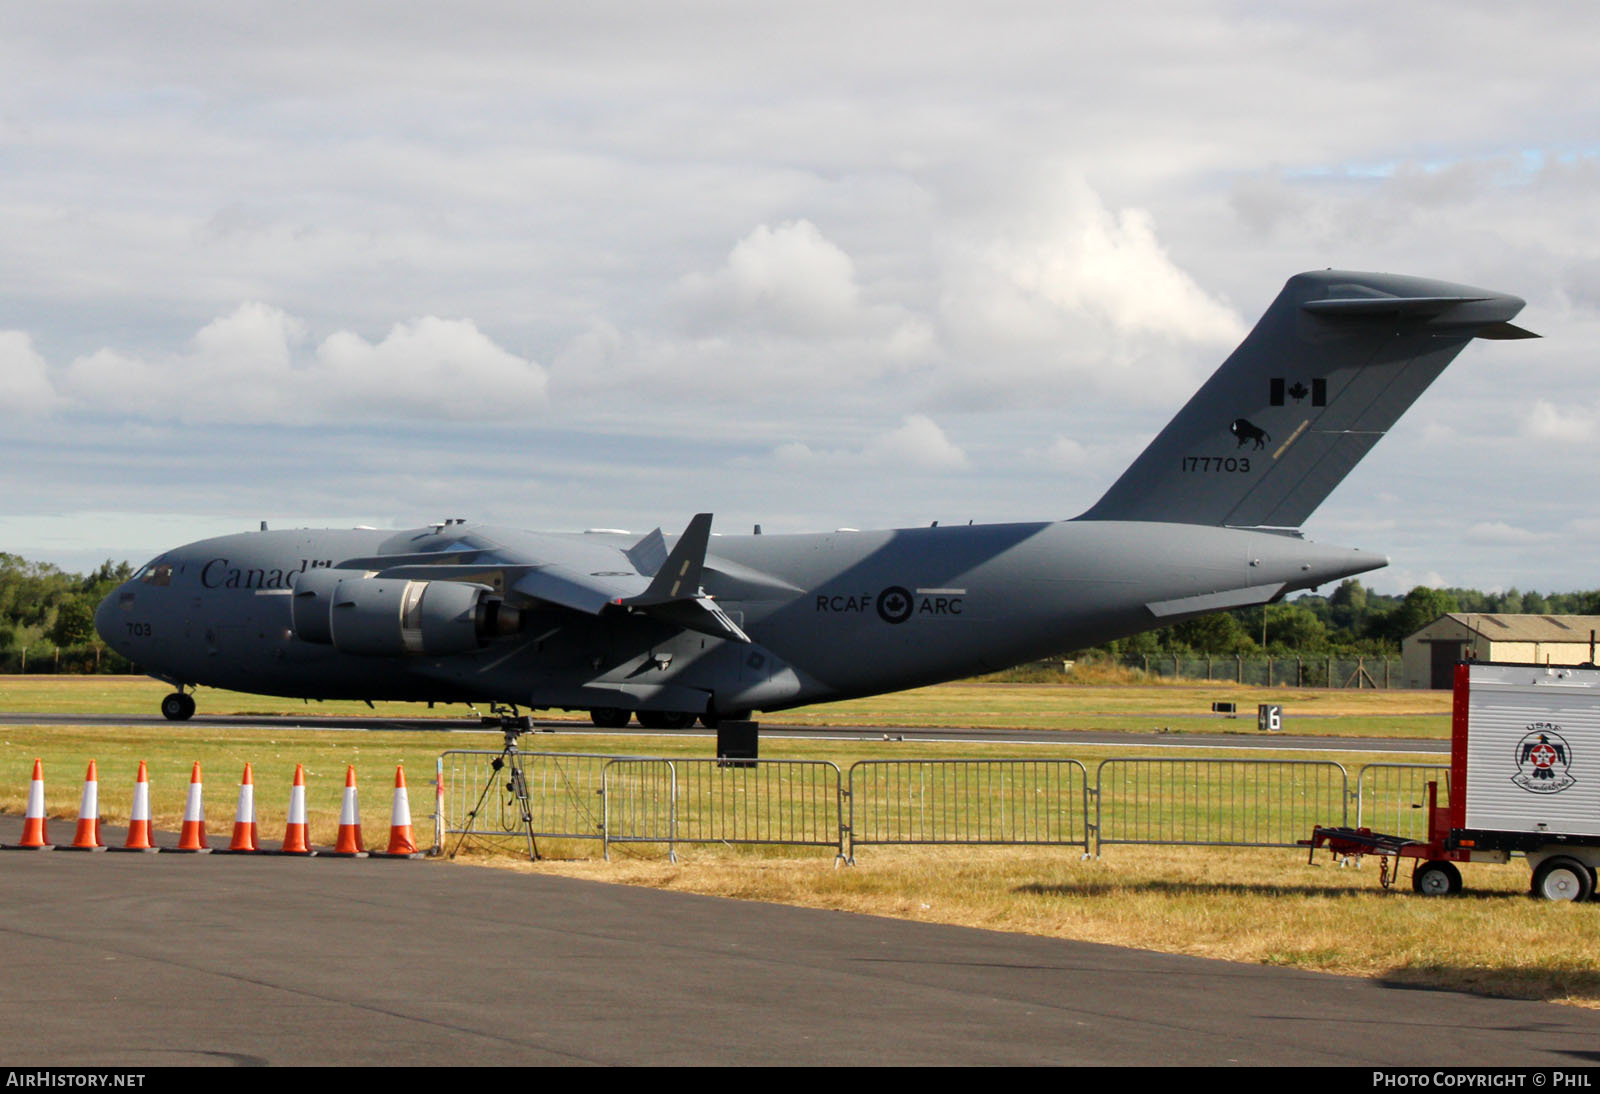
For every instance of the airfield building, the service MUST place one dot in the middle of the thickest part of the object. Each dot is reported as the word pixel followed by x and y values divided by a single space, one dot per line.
pixel 1428 657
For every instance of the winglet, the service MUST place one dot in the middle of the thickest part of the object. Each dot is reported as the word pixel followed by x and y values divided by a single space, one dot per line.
pixel 679 576
pixel 649 554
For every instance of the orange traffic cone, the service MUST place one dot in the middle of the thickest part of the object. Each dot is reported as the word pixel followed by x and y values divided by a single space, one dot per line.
pixel 192 840
pixel 401 843
pixel 139 819
pixel 295 840
pixel 244 818
pixel 87 836
pixel 34 836
pixel 350 844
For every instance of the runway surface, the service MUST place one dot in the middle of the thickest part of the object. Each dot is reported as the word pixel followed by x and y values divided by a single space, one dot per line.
pixel 146 960
pixel 1272 742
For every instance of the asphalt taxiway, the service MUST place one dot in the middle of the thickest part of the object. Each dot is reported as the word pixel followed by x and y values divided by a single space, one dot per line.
pixel 146 960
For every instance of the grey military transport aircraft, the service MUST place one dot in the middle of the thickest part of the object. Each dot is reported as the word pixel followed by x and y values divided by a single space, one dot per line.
pixel 670 629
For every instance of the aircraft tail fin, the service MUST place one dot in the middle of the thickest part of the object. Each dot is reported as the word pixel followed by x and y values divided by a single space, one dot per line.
pixel 1329 368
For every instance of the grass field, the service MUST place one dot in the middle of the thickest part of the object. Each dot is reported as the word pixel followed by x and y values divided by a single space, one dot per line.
pixel 1265 906
pixel 1176 708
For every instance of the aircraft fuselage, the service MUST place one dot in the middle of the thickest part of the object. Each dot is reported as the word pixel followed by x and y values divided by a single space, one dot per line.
pixel 830 615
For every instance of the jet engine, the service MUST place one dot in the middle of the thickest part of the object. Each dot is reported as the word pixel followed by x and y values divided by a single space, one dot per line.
pixel 388 617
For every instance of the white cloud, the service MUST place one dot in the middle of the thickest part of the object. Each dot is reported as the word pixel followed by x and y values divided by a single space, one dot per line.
pixel 1060 290
pixel 721 233
pixel 1065 452
pixel 250 367
pixel 238 368
pixel 1562 425
pixel 431 367
pixel 1499 533
pixel 918 444
pixel 788 280
pixel 25 386
pixel 1079 258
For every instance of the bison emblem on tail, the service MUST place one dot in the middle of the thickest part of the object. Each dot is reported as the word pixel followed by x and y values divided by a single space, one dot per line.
pixel 1242 429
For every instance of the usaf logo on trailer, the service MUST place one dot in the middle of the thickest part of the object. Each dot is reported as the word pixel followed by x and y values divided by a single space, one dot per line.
pixel 1544 760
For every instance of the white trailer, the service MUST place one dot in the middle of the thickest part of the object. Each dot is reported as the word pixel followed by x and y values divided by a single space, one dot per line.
pixel 1525 770
pixel 1524 778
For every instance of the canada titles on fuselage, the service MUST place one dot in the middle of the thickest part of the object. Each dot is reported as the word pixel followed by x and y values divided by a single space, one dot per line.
pixel 218 574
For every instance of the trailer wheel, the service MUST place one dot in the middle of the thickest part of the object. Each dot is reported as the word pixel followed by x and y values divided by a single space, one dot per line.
pixel 1436 878
pixel 1562 878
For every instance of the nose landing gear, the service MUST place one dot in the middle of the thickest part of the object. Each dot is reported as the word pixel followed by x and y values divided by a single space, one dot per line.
pixel 178 707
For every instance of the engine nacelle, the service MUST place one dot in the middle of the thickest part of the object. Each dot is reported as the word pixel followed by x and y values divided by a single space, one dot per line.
pixel 389 617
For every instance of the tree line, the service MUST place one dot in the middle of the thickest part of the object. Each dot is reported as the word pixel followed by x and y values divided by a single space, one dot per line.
pixel 1352 621
pixel 47 616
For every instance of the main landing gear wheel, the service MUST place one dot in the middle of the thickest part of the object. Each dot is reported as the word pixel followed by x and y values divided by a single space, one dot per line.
pixel 177 707
pixel 1563 878
pixel 1436 878
pixel 610 717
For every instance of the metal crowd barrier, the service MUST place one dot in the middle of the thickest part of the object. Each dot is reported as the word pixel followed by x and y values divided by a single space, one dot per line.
pixel 1393 798
pixel 1045 802
pixel 563 792
pixel 790 802
pixel 1232 803
pixel 1038 802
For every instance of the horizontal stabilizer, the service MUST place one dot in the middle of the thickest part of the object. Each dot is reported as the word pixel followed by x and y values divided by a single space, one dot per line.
pixel 1216 602
pixel 702 615
pixel 1367 306
pixel 1326 372
pixel 1505 331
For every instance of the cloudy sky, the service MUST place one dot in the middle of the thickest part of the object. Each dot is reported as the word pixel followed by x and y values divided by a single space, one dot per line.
pixel 839 264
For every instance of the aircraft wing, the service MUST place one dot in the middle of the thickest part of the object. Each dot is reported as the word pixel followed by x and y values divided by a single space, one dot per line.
pixel 590 593
pixel 671 593
pixel 585 576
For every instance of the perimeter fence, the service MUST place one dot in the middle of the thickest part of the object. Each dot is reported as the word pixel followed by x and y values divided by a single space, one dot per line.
pixel 1020 802
pixel 1277 672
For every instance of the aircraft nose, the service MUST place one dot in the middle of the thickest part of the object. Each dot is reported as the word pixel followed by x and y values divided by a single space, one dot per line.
pixel 105 618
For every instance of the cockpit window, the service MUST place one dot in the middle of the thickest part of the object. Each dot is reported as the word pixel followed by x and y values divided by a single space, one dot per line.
pixel 155 573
